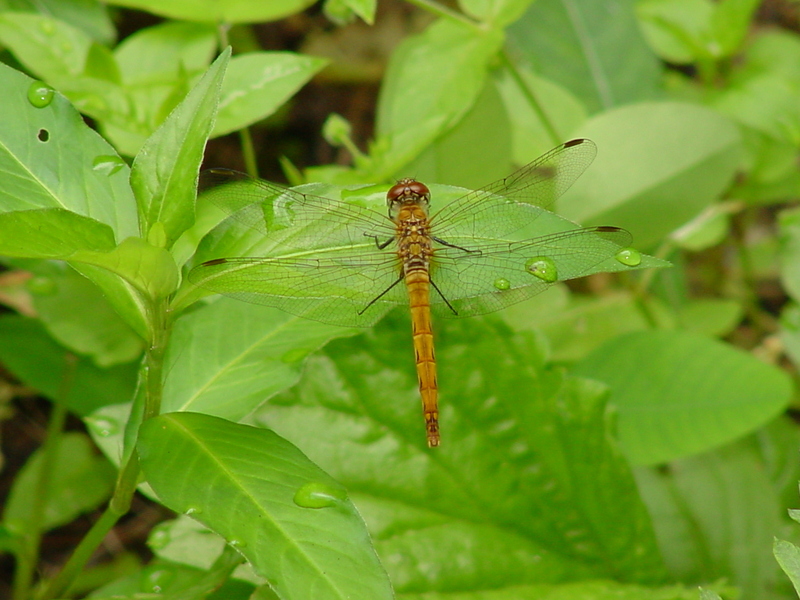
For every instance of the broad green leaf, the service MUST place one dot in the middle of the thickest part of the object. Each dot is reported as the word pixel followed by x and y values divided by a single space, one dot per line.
pixel 788 557
pixel 260 500
pixel 775 51
pixel 498 13
pixel 465 155
pixel 583 590
pixel 31 354
pixel 149 269
pixel 715 515
pixel 765 102
pixel 74 169
pixel 658 165
pixel 89 15
pixel 77 315
pixel 679 393
pixel 213 11
pixel 524 96
pixel 715 317
pixel 256 84
pixel 51 233
pixel 730 23
pixel 53 49
pixel 165 171
pixel 432 81
pixel 500 492
pixel 790 331
pixel 596 53
pixel 79 481
pixel 365 9
pixel 678 30
pixel 228 357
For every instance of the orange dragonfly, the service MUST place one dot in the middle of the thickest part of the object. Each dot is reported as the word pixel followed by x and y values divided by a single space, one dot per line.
pixel 344 263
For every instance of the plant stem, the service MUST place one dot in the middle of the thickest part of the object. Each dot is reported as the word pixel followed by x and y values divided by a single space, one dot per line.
pixel 531 97
pixel 28 558
pixel 248 152
pixel 129 475
pixel 444 12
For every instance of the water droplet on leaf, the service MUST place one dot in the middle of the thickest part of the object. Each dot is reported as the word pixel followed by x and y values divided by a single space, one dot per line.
pixel 502 284
pixel 40 94
pixel 192 510
pixel 235 543
pixel 629 257
pixel 107 163
pixel 159 579
pixel 542 267
pixel 315 494
pixel 159 539
pixel 102 426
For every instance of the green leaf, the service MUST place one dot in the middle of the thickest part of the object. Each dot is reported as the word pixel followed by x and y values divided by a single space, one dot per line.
pixel 788 557
pixel 582 590
pixel 678 393
pixel 678 30
pixel 212 349
pixel 67 171
pixel 685 156
pixel 149 269
pixel 91 16
pixel 526 101
pixel 715 317
pixel 256 84
pixel 730 23
pixel 432 81
pixel 213 11
pixel 595 53
pixel 79 481
pixel 77 315
pixel 164 173
pixel 256 502
pixel 716 515
pixel 501 490
pixel 789 220
pixel 51 233
pixel 498 13
pixel 31 354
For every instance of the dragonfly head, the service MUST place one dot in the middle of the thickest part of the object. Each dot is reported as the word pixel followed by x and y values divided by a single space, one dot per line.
pixel 407 192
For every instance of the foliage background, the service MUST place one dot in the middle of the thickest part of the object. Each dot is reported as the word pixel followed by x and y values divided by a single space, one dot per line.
pixel 621 437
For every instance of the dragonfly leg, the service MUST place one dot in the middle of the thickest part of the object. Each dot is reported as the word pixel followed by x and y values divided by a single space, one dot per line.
pixel 441 295
pixel 381 246
pixel 449 245
pixel 381 295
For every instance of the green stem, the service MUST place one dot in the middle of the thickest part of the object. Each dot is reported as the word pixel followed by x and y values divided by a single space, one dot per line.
pixel 29 556
pixel 129 475
pixel 444 12
pixel 248 152
pixel 533 102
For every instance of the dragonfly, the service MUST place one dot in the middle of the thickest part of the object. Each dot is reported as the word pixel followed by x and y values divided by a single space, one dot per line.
pixel 345 263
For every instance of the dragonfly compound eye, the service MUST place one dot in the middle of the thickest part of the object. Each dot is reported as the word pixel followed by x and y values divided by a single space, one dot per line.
pixel 407 187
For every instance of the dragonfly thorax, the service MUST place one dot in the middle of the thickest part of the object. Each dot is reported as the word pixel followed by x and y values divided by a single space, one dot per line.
pixel 407 192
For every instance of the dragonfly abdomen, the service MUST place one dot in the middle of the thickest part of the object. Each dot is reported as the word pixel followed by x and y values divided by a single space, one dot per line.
pixel 418 284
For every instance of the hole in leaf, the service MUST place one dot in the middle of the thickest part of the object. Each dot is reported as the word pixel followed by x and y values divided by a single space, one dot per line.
pixel 44 135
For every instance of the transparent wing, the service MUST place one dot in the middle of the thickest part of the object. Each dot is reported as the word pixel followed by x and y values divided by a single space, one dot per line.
pixel 491 212
pixel 496 275
pixel 314 221
pixel 321 260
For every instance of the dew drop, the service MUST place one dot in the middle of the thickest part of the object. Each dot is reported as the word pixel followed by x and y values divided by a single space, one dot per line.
pixel 40 94
pixel 502 283
pixel 542 267
pixel 192 510
pixel 159 579
pixel 107 163
pixel 315 494
pixel 236 543
pixel 159 539
pixel 102 426
pixel 629 257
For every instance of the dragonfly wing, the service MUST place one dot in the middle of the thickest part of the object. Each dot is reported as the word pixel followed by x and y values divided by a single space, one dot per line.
pixel 496 275
pixel 493 210
pixel 336 288
pixel 298 220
